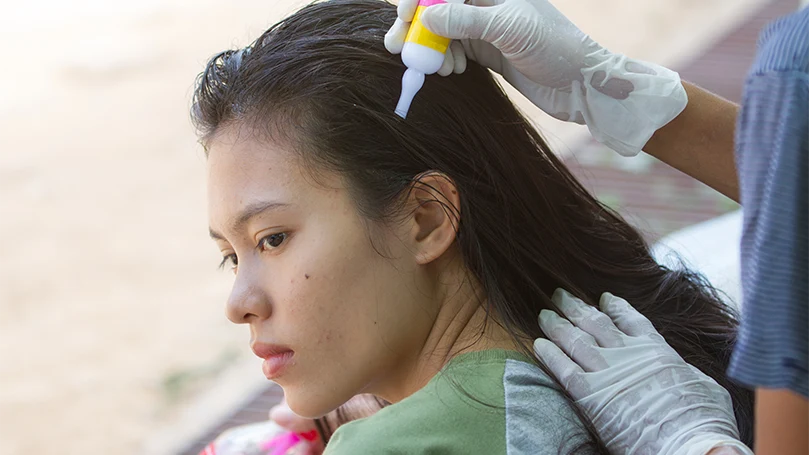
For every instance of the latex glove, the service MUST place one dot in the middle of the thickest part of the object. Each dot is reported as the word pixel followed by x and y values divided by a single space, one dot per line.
pixel 642 397
pixel 555 65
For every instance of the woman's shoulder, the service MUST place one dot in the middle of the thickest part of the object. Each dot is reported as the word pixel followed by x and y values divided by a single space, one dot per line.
pixel 482 403
pixel 540 419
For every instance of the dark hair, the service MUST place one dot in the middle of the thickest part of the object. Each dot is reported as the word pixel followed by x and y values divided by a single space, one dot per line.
pixel 323 79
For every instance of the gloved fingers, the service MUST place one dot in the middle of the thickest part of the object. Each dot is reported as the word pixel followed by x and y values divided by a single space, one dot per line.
pixel 458 57
pixel 559 329
pixel 625 317
pixel 565 370
pixel 550 100
pixel 395 37
pixel 726 442
pixel 448 65
pixel 588 319
pixel 406 10
pixel 455 57
pixel 717 392
pixel 459 21
pixel 577 344
pixel 485 54
pixel 708 440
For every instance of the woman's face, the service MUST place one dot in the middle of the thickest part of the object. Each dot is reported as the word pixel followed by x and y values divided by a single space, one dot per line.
pixel 333 315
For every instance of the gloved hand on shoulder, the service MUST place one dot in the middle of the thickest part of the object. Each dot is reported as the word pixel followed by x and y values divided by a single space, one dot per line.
pixel 642 397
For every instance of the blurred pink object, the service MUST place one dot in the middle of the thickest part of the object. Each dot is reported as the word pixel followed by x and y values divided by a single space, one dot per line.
pixel 263 438
pixel 281 443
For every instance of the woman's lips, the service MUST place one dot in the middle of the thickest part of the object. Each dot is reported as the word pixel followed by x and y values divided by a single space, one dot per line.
pixel 275 365
pixel 276 358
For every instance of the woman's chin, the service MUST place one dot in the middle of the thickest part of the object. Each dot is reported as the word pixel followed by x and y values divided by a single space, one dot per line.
pixel 305 405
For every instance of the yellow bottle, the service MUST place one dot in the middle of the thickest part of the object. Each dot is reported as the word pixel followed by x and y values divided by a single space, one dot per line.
pixel 423 53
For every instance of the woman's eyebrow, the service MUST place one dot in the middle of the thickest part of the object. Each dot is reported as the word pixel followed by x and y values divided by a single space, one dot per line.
pixel 248 213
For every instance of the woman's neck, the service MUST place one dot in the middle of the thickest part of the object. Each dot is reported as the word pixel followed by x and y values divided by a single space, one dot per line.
pixel 460 326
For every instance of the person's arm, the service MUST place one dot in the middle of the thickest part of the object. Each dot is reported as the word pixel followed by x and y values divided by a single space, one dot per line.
pixel 782 422
pixel 699 141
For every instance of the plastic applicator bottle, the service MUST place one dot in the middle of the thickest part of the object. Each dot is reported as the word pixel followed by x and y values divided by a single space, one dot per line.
pixel 422 54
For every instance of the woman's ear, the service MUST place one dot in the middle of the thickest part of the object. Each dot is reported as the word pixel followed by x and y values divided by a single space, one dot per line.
pixel 435 216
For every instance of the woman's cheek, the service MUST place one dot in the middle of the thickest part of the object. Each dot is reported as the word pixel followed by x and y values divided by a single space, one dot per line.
pixel 312 307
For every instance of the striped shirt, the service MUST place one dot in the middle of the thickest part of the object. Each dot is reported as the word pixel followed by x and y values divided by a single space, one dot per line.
pixel 772 157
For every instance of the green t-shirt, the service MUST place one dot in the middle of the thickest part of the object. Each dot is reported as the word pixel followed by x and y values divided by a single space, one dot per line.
pixel 487 402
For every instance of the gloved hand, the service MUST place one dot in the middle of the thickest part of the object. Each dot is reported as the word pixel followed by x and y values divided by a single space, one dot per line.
pixel 555 65
pixel 642 397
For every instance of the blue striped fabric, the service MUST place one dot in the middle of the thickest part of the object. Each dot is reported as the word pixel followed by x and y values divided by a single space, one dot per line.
pixel 772 156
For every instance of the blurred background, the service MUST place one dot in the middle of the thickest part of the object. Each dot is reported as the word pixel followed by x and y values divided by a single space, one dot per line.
pixel 113 338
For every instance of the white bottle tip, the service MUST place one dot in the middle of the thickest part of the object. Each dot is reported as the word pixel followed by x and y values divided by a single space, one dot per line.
pixel 411 84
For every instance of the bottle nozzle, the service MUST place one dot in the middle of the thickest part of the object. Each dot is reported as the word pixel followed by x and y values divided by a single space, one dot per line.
pixel 411 84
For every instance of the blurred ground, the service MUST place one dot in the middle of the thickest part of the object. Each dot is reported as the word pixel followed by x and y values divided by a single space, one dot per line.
pixel 111 310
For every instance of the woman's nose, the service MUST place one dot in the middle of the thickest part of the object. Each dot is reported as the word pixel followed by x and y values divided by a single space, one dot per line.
pixel 247 301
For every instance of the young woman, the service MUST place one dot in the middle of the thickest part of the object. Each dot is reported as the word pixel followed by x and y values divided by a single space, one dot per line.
pixel 409 259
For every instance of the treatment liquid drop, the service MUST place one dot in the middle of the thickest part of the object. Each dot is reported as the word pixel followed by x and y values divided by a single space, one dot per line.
pixel 423 53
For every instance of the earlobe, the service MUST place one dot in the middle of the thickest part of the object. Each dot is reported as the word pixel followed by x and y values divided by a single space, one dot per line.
pixel 435 217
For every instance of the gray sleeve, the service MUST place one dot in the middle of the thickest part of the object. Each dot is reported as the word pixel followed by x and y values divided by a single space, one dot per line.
pixel 539 419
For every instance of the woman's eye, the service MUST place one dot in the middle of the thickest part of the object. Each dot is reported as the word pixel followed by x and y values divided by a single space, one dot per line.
pixel 272 241
pixel 229 259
